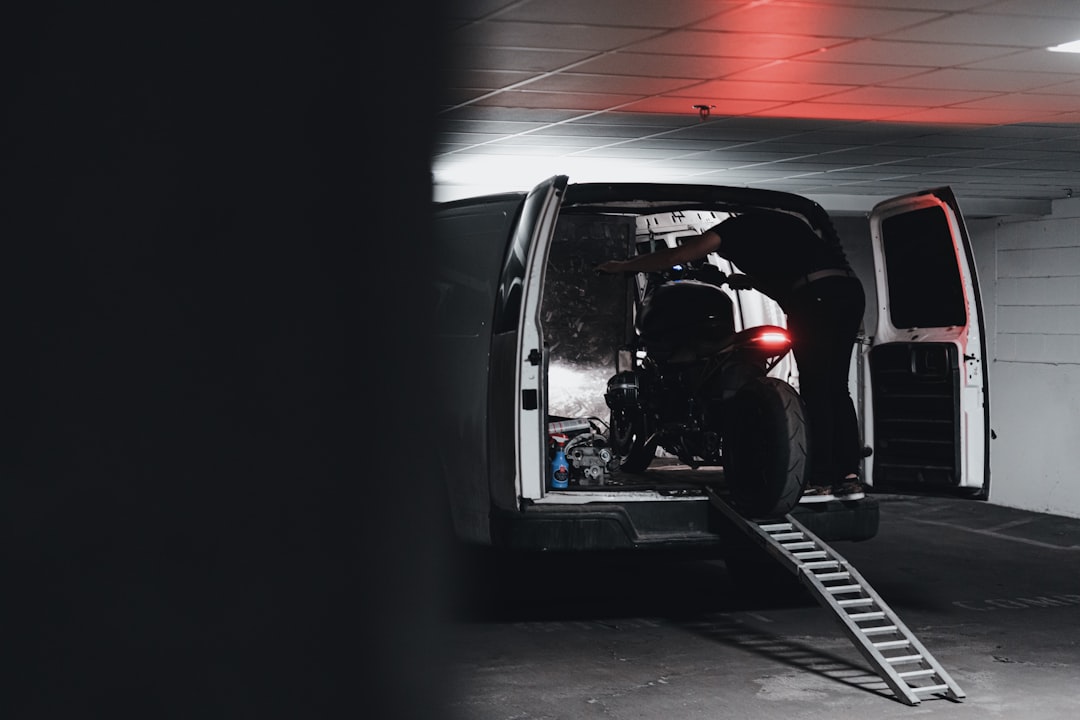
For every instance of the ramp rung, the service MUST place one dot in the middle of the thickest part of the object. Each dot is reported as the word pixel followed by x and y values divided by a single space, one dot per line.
pixel 812 555
pixel 856 602
pixel 901 659
pixel 929 688
pixel 916 674
pixel 833 576
pixel 788 536
pixel 775 527
pixel 821 564
pixel 837 589
pixel 889 644
pixel 881 630
pixel 798 545
pixel 859 617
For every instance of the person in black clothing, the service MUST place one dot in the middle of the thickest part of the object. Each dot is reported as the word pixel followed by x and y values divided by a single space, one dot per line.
pixel 810 278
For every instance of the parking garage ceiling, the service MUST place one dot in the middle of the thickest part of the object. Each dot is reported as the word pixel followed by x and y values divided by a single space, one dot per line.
pixel 845 101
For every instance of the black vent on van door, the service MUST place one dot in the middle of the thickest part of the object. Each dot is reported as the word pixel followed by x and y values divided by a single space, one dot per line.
pixel 916 393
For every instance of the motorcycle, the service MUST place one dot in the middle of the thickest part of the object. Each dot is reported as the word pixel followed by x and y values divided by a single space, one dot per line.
pixel 701 391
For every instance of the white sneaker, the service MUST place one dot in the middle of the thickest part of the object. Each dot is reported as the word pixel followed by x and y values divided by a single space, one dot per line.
pixel 817 494
pixel 849 490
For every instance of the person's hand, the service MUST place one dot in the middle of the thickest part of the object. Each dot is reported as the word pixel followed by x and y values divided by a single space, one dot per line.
pixel 610 266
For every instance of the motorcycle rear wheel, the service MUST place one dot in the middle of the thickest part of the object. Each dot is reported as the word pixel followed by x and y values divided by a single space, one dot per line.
pixel 628 439
pixel 765 448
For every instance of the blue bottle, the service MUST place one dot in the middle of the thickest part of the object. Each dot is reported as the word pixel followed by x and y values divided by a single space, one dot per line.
pixel 560 470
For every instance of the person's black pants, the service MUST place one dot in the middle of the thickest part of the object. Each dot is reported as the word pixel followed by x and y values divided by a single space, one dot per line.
pixel 824 319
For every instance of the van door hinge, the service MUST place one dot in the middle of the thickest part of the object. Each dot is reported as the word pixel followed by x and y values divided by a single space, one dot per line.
pixel 535 356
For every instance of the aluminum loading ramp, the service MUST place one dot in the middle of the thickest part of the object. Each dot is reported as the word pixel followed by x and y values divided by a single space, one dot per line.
pixel 887 644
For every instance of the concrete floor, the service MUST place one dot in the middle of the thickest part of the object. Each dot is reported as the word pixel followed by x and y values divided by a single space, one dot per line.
pixel 993 593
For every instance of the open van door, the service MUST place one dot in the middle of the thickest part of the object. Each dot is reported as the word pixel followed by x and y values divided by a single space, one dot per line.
pixel 486 370
pixel 927 415
pixel 517 421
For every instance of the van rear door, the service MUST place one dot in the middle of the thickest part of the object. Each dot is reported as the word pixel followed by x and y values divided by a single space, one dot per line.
pixel 926 416
pixel 488 352
pixel 470 245
pixel 517 422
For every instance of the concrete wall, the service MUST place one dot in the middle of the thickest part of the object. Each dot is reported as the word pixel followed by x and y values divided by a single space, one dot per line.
pixel 1029 273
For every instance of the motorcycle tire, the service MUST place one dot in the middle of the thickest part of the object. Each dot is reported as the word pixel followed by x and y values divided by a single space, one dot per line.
pixel 765 448
pixel 628 439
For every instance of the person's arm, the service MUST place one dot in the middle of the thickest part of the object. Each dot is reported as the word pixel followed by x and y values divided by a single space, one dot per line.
pixel 693 248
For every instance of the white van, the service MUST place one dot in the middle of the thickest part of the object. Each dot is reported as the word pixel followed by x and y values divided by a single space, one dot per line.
pixel 528 336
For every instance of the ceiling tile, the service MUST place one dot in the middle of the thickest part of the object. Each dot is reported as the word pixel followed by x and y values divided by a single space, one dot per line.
pixel 471 10
pixel 488 126
pixel 606 132
pixel 579 101
pixel 586 83
pixel 631 153
pixel 1068 88
pixel 515 59
pixel 724 44
pixel 737 157
pixel 953 139
pixel 767 128
pixel 920 97
pixel 1011 154
pixel 504 150
pixel 824 72
pixel 1032 61
pixel 1069 143
pixel 947 160
pixel 1033 133
pixel 1068 9
pixel 980 80
pixel 542 116
pixel 938 5
pixel 565 143
pixel 658 65
pixel 986 29
pixel 548 36
pixel 873 51
pixel 974 117
pixel 676 145
pixel 685 106
pixel 464 139
pixel 453 97
pixel 488 79
pixel 836 111
pixel 801 18
pixel 722 91
pixel 1027 101
pixel 638 13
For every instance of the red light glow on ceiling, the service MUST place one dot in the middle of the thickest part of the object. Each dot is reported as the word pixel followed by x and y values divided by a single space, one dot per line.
pixel 822 59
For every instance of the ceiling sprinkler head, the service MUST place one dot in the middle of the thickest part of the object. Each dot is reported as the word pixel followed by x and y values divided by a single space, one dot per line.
pixel 703 110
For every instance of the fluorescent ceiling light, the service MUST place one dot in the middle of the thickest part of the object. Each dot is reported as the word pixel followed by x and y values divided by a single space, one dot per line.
pixel 1069 47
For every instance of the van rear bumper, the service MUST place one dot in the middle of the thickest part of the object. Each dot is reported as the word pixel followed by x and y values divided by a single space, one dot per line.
pixel 661 525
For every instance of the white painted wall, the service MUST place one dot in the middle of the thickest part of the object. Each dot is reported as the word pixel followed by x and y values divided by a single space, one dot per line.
pixel 1035 371
pixel 1029 273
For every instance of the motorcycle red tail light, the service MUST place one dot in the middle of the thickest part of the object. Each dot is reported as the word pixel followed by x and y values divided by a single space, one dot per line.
pixel 773 339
